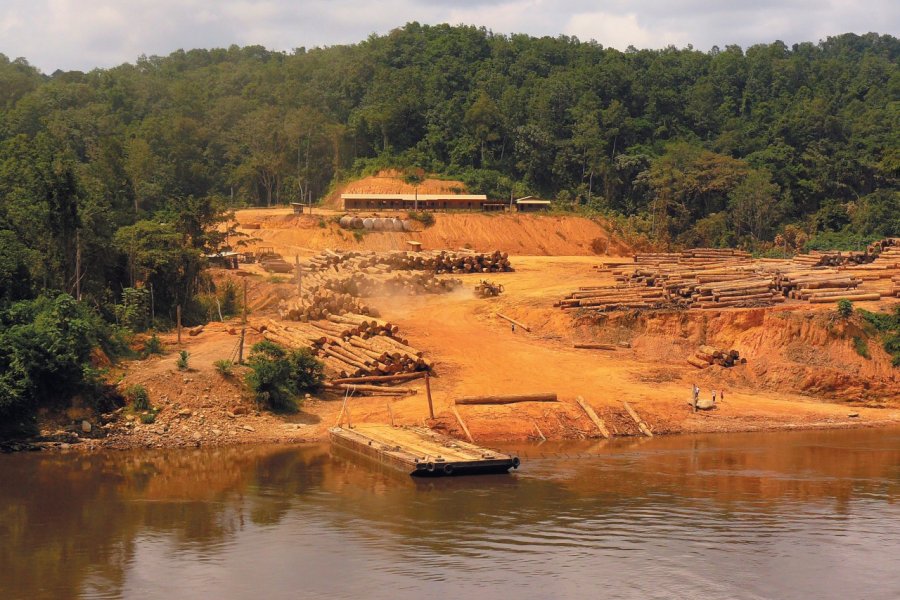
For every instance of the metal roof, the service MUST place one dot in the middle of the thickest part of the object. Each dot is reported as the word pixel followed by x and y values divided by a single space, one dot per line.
pixel 413 197
pixel 532 202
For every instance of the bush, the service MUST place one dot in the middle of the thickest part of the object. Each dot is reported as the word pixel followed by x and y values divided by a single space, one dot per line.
pixel 277 376
pixel 153 345
pixel 134 312
pixel 148 418
pixel 228 297
pixel 46 348
pixel 182 362
pixel 888 326
pixel 223 367
pixel 137 396
pixel 861 346
pixel 425 218
pixel 845 308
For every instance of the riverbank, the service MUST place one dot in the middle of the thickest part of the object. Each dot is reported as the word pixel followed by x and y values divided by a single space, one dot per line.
pixel 801 373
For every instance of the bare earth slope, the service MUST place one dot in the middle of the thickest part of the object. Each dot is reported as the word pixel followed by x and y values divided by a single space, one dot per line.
pixel 523 234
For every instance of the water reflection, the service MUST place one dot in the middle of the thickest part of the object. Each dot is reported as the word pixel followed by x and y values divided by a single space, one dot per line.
pixel 761 515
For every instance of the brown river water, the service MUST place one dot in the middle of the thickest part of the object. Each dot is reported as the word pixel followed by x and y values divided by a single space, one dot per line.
pixel 775 515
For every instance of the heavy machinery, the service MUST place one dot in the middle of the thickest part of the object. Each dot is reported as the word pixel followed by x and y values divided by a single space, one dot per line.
pixel 488 289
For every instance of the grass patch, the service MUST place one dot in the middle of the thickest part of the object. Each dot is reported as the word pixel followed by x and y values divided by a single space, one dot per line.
pixel 138 397
pixel 861 346
pixel 223 367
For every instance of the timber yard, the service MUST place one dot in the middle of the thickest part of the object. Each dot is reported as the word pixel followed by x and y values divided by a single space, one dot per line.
pixel 488 327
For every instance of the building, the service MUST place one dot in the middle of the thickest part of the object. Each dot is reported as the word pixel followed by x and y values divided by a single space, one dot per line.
pixel 408 202
pixel 530 205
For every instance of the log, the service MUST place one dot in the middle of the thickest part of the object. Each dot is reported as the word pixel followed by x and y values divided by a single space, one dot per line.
pixel 640 423
pixel 595 346
pixel 593 417
pixel 373 389
pixel 195 331
pixel 514 322
pixel 698 362
pixel 380 378
pixel 462 423
pixel 850 297
pixel 508 399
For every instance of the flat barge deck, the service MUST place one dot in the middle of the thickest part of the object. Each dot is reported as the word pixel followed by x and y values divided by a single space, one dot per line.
pixel 420 452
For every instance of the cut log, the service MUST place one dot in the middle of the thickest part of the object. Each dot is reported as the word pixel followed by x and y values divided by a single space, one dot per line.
pixel 698 362
pixel 373 389
pixel 507 399
pixel 514 322
pixel 381 378
pixel 462 423
pixel 595 346
pixel 640 422
pixel 593 417
pixel 850 297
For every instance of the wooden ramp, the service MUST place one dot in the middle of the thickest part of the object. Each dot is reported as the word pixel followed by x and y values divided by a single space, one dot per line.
pixel 420 452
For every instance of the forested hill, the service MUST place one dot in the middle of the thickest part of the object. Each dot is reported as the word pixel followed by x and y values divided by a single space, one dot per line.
pixel 112 182
pixel 715 147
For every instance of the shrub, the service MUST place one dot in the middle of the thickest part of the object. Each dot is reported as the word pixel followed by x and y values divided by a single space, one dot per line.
pixel 845 308
pixel 223 367
pixel 228 297
pixel 137 396
pixel 182 362
pixel 861 346
pixel 277 376
pixel 153 345
pixel 423 217
pixel 46 349
pixel 148 418
pixel 358 236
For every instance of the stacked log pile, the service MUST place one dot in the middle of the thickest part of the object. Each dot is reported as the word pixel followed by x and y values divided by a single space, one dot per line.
pixel 321 302
pixel 708 355
pixel 463 261
pixel 352 346
pixel 714 278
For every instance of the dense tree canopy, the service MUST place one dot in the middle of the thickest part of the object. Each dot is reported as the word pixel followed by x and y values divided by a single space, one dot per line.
pixel 816 125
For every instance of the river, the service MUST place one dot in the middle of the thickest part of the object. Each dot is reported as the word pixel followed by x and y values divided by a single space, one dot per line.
pixel 774 515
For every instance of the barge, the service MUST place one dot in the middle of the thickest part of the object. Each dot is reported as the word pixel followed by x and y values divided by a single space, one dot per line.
pixel 420 452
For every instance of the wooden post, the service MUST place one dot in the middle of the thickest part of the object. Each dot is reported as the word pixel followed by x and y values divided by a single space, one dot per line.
pixel 462 423
pixel 244 304
pixel 391 412
pixel 241 346
pixel 593 416
pixel 428 393
pixel 178 321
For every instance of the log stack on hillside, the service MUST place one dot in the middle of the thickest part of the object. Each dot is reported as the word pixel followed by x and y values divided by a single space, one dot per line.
pixel 708 355
pixel 463 261
pixel 709 278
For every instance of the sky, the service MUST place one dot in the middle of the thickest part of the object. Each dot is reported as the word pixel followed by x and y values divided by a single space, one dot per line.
pixel 87 34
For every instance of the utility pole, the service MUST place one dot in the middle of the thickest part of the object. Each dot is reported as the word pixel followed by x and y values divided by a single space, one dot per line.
pixel 243 326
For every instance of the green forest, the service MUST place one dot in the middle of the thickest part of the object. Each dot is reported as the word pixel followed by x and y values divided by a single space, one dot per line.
pixel 112 182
